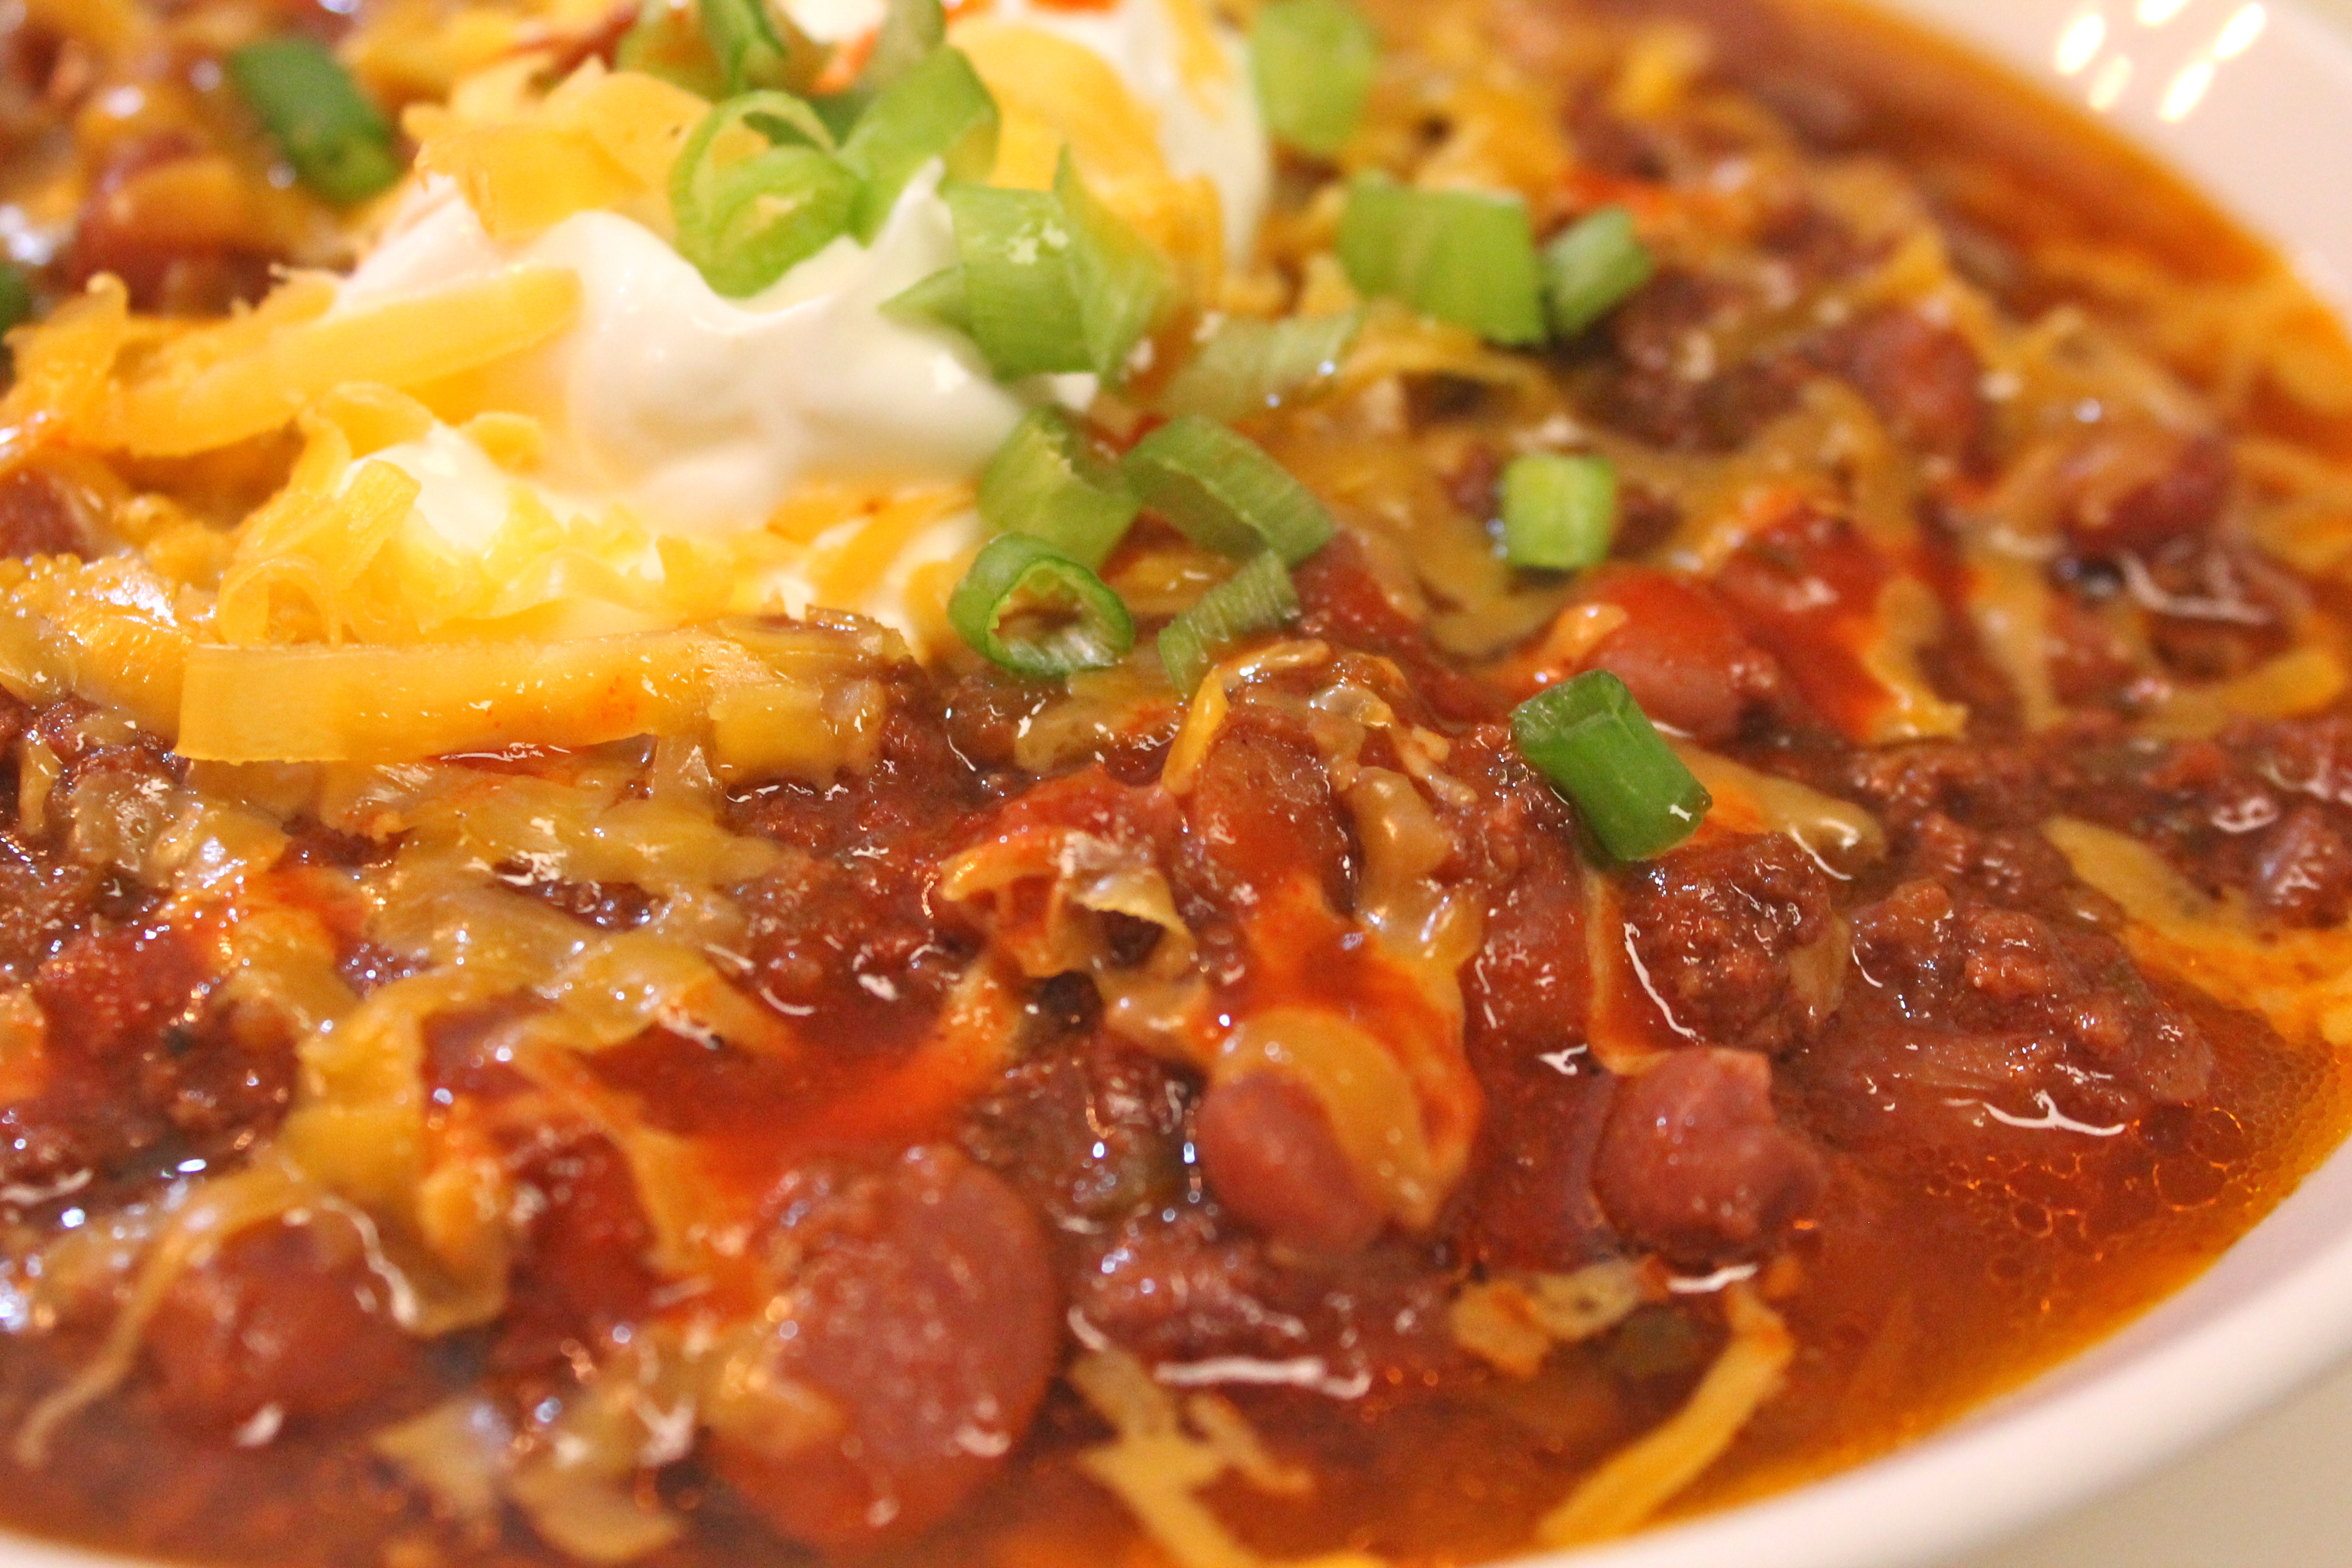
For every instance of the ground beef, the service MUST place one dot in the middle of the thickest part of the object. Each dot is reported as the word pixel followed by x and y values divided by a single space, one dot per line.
pixel 1170 1286
pixel 1530 1204
pixel 139 1059
pixel 1717 928
pixel 1262 814
pixel 167 265
pixel 844 922
pixel 580 1269
pixel 1087 1130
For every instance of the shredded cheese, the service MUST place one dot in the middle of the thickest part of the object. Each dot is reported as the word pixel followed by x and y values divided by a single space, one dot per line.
pixel 1158 1467
pixel 2299 980
pixel 1637 1481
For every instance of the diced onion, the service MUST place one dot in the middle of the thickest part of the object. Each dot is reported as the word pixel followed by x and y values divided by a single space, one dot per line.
pixel 911 31
pixel 16 297
pixel 937 301
pixel 1249 367
pixel 1054 280
pixel 757 44
pixel 936 109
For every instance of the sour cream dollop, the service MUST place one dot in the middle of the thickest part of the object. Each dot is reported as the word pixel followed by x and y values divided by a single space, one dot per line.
pixel 702 414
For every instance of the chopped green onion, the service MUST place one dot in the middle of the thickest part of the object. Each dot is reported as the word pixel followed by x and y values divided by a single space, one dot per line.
pixel 1257 598
pixel 1124 283
pixel 1591 739
pixel 911 30
pixel 16 297
pixel 1053 281
pixel 936 301
pixel 1048 482
pixel 1558 512
pixel 1250 365
pixel 1464 257
pixel 745 224
pixel 936 109
pixel 1314 61
pixel 1027 607
pixel 1226 493
pixel 339 142
pixel 1590 266
pixel 666 40
pixel 758 46
pixel 1018 296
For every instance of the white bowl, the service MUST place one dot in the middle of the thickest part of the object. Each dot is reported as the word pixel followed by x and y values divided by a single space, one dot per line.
pixel 2260 131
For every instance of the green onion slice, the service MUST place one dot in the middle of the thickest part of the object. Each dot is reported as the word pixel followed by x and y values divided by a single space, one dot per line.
pixel 758 46
pixel 747 223
pixel 1053 281
pixel 666 40
pixel 1464 257
pixel 1590 266
pixel 1249 367
pixel 1591 739
pixel 1031 609
pixel 1012 248
pixel 1257 598
pixel 1314 61
pixel 1124 283
pixel 1048 482
pixel 1226 493
pixel 911 30
pixel 16 297
pixel 1558 512
pixel 936 301
pixel 938 108
pixel 338 143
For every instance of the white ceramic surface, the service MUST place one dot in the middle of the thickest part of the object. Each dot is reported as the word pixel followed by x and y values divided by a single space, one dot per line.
pixel 2254 100
pixel 2271 1495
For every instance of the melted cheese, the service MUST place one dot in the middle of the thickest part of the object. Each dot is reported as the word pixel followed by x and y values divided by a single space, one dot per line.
pixel 1207 113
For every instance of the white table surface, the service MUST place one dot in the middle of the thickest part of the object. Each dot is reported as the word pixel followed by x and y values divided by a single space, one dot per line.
pixel 2277 1493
